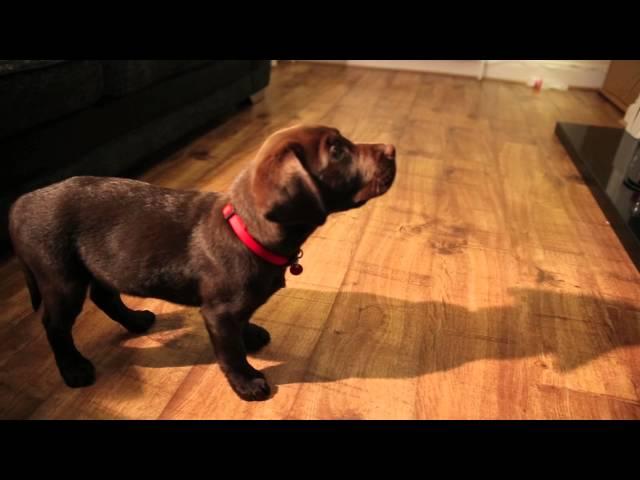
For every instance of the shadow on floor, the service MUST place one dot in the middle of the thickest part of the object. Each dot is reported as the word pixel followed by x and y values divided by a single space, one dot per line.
pixel 369 336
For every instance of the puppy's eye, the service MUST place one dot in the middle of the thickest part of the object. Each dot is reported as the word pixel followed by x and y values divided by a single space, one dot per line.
pixel 339 153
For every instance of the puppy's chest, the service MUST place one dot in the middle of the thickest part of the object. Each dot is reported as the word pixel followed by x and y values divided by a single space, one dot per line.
pixel 263 286
pixel 273 284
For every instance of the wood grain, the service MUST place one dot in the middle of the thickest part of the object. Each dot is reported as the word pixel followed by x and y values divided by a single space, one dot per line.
pixel 486 284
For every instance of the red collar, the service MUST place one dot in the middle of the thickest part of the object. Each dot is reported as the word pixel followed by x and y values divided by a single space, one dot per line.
pixel 240 229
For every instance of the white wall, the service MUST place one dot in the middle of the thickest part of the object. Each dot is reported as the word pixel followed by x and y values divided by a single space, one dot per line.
pixel 572 73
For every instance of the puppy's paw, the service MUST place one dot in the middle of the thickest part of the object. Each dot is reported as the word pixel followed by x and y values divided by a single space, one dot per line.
pixel 139 321
pixel 255 337
pixel 250 389
pixel 79 373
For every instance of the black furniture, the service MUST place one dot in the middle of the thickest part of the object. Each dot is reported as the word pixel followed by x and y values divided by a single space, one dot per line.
pixel 609 161
pixel 61 118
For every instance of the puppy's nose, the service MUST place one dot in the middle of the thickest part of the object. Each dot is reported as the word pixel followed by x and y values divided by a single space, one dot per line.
pixel 390 151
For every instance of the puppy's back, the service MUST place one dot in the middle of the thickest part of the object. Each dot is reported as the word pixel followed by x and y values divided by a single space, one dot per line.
pixel 109 226
pixel 94 203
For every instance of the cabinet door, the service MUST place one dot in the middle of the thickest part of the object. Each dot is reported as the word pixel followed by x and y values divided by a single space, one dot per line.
pixel 622 85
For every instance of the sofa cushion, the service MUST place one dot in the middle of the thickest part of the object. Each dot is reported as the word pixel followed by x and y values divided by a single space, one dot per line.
pixel 126 76
pixel 33 92
pixel 260 74
pixel 14 66
pixel 51 147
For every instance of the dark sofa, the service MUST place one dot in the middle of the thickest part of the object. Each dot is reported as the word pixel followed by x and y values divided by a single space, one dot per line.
pixel 62 118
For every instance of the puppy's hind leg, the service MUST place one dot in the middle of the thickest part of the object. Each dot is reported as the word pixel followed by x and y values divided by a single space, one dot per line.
pixel 109 301
pixel 62 302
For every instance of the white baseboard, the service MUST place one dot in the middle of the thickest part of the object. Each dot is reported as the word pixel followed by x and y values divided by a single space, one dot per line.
pixel 469 68
pixel 454 67
pixel 572 73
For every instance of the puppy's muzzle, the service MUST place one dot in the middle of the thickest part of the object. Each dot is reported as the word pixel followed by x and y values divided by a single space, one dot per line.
pixel 386 168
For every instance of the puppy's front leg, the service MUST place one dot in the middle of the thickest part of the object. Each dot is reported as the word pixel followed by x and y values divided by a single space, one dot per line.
pixel 225 324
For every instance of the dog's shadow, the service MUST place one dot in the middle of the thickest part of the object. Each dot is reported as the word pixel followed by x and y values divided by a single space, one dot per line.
pixel 368 336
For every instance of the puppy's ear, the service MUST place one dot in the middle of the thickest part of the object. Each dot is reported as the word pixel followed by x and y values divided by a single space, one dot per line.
pixel 286 191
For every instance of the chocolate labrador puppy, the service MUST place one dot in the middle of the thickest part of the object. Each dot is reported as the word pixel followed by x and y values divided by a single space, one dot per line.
pixel 225 252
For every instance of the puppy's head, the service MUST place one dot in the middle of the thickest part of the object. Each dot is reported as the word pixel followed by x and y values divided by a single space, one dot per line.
pixel 304 173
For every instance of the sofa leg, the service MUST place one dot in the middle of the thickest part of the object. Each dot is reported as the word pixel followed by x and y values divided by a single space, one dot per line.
pixel 257 97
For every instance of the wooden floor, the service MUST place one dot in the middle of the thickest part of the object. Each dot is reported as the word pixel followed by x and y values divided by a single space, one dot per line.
pixel 486 284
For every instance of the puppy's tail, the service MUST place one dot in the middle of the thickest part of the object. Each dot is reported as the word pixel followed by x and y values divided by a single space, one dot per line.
pixel 32 285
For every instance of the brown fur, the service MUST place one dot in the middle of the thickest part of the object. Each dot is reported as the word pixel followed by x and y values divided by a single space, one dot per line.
pixel 124 236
